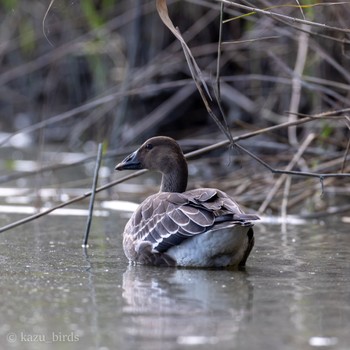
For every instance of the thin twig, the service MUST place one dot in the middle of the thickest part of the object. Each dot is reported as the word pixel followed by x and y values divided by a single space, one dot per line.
pixel 73 200
pixel 345 157
pixel 219 52
pixel 43 22
pixel 195 71
pixel 93 193
pixel 275 14
pixel 296 83
pixel 259 132
pixel 347 146
pixel 282 178
pixel 284 204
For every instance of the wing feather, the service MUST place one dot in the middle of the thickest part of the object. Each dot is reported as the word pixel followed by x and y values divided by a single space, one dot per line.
pixel 166 219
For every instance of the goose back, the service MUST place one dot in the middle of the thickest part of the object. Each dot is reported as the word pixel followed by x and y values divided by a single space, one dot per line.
pixel 164 220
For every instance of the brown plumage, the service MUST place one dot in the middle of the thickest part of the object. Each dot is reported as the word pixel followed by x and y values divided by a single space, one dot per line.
pixel 202 227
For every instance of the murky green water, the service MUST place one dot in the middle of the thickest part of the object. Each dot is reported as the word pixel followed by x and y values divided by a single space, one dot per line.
pixel 294 294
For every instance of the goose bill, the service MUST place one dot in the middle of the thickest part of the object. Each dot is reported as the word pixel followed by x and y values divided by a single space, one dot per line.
pixel 131 162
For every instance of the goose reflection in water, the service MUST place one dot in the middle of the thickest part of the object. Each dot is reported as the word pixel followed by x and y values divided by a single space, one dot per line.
pixel 186 306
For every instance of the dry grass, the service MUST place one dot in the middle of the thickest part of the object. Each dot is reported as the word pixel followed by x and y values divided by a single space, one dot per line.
pixel 113 73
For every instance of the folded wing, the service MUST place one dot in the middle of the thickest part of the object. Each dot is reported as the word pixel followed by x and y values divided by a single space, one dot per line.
pixel 166 219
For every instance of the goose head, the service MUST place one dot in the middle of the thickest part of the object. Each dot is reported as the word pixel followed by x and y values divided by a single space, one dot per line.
pixel 164 155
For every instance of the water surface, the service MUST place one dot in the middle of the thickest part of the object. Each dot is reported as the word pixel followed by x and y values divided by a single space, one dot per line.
pixel 294 293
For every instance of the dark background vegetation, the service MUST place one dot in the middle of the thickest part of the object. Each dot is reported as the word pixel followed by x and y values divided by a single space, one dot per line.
pixel 120 55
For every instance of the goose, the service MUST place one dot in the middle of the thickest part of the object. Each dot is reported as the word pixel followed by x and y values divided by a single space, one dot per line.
pixel 202 227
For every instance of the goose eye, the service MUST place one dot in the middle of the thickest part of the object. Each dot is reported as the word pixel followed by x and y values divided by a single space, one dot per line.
pixel 149 146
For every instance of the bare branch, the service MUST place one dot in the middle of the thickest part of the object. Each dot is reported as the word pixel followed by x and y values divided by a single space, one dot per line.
pixel 289 167
pixel 93 193
pixel 279 15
